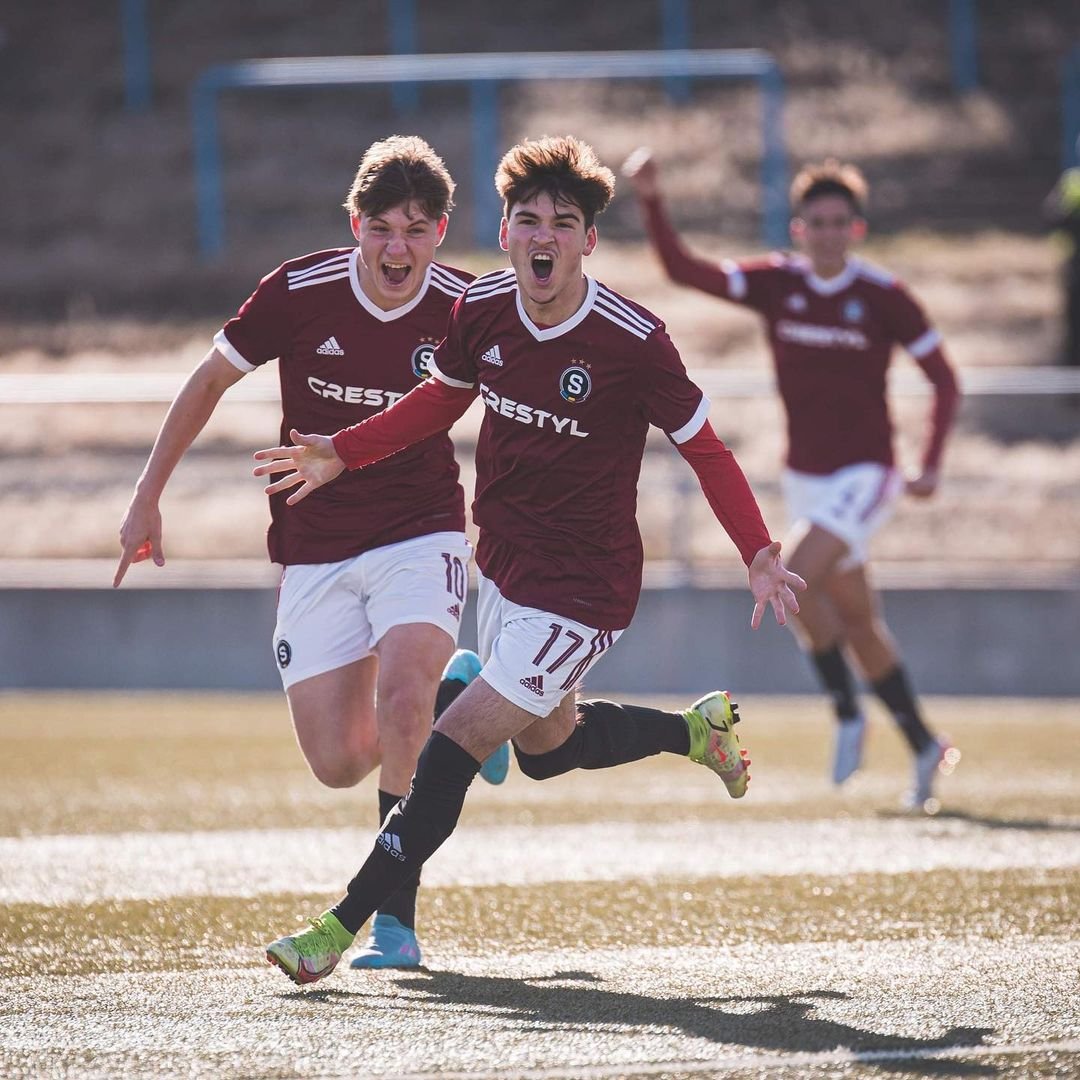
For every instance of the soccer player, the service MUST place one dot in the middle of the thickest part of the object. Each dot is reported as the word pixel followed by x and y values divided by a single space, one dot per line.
pixel 374 566
pixel 832 322
pixel 571 374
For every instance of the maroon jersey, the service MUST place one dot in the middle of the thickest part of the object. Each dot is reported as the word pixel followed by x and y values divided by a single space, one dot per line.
pixel 343 359
pixel 831 344
pixel 567 411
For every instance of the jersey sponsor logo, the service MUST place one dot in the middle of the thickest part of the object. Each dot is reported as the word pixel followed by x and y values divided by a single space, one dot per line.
pixel 534 684
pixel 330 347
pixel 492 356
pixel 421 359
pixel 529 414
pixel 821 337
pixel 854 310
pixel 796 302
pixel 283 652
pixel 352 395
pixel 575 384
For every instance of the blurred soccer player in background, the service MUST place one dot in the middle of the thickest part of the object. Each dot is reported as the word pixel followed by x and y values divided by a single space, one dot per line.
pixel 832 322
pixel 375 566
pixel 571 376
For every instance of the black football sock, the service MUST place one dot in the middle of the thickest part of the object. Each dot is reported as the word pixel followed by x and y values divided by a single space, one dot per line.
pixel 895 691
pixel 412 831
pixel 449 691
pixel 402 904
pixel 835 676
pixel 609 734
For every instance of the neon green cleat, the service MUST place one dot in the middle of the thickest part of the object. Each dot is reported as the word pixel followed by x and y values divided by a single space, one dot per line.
pixel 713 741
pixel 312 954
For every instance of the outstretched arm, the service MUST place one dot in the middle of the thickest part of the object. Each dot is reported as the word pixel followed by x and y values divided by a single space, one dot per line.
pixel 735 507
pixel 140 531
pixel 946 398
pixel 679 264
pixel 315 460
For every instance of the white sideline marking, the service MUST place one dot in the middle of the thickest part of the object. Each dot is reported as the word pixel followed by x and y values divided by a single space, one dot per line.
pixel 248 863
pixel 714 1066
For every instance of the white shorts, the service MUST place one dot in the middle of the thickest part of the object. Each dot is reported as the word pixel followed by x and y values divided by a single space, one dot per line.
pixel 851 503
pixel 330 614
pixel 531 657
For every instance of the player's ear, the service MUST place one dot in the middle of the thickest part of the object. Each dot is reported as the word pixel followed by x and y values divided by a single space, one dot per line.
pixel 504 239
pixel 590 240
pixel 858 229
pixel 354 222
pixel 797 228
pixel 440 229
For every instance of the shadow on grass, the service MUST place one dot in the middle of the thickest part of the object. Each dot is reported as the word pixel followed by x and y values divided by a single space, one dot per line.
pixel 779 1023
pixel 1020 824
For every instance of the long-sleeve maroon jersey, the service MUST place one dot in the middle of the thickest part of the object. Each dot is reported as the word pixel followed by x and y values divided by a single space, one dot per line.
pixel 831 342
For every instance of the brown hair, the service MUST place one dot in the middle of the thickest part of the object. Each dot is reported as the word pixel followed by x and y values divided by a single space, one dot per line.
pixel 830 177
pixel 401 169
pixel 562 167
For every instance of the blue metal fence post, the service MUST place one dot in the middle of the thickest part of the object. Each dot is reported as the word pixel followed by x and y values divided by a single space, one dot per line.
pixel 962 46
pixel 1070 108
pixel 487 211
pixel 402 15
pixel 136 55
pixel 675 35
pixel 774 170
pixel 208 195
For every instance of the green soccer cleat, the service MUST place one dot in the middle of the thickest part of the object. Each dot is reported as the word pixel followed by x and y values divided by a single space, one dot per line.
pixel 312 954
pixel 713 741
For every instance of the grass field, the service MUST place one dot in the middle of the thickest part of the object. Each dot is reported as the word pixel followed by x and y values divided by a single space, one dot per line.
pixel 629 923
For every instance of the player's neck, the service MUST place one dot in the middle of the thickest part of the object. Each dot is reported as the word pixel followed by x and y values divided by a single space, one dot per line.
pixel 559 308
pixel 829 268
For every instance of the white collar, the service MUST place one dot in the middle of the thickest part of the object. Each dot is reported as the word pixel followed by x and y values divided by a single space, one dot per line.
pixel 369 305
pixel 550 332
pixel 831 286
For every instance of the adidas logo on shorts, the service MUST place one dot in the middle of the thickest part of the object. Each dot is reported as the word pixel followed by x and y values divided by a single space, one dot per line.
pixel 534 684
pixel 455 610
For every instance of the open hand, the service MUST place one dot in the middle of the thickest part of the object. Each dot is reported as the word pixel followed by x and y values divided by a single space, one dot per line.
pixel 773 583
pixel 640 169
pixel 311 462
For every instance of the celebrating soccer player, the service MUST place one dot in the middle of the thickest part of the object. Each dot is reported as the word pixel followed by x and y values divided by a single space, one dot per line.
pixel 374 566
pixel 832 322
pixel 571 375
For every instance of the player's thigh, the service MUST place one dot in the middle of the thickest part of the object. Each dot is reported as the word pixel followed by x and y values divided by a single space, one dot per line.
pixel 419 581
pixel 481 719
pixel 333 714
pixel 551 731
pixel 412 657
pixel 852 595
pixel 814 555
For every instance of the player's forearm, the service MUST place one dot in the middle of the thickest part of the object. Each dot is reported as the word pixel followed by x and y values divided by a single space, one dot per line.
pixel 943 412
pixel 726 488
pixel 679 264
pixel 426 410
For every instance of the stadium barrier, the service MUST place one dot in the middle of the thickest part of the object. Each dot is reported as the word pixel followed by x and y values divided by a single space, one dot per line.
pixel 483 72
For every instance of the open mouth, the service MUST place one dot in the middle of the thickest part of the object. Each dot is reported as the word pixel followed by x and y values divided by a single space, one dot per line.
pixel 542 266
pixel 395 273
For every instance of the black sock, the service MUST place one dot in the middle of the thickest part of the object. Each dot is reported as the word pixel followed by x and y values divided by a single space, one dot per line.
pixel 836 678
pixel 414 829
pixel 895 691
pixel 609 734
pixel 402 904
pixel 449 691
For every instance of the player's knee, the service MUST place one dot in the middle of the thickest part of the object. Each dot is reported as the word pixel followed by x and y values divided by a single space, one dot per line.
pixel 555 762
pixel 344 766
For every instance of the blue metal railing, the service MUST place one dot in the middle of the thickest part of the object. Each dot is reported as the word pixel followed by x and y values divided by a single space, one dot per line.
pixel 963 46
pixel 136 37
pixel 483 72
pixel 1070 108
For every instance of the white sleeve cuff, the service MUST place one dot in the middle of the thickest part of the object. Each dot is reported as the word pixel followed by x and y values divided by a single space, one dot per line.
pixel 225 347
pixel 736 279
pixel 693 425
pixel 435 373
pixel 923 346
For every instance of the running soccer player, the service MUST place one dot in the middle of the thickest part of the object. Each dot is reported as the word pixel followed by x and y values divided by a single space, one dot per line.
pixel 832 322
pixel 571 375
pixel 374 566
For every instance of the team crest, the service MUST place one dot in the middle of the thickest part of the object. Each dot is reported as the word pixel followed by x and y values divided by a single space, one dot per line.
pixel 283 651
pixel 422 356
pixel 854 310
pixel 575 384
pixel 795 302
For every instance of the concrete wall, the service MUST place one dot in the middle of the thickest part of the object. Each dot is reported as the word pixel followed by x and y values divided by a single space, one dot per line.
pixel 966 641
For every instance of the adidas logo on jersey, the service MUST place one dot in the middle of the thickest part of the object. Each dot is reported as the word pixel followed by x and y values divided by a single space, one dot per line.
pixel 534 684
pixel 330 347
pixel 493 356
pixel 391 843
